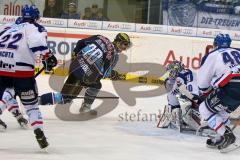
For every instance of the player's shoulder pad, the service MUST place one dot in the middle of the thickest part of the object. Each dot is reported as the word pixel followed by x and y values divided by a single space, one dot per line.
pixel 88 39
pixel 182 75
pixel 207 56
pixel 184 72
pixel 40 27
pixel 103 38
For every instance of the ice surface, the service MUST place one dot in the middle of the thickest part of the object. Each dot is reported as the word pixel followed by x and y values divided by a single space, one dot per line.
pixel 107 138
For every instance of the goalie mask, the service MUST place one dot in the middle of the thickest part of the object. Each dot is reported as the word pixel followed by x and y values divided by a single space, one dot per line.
pixel 174 69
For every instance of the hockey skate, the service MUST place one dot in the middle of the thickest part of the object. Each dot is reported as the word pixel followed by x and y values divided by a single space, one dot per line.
pixel 3 125
pixel 22 122
pixel 214 142
pixel 20 119
pixel 229 142
pixel 86 108
pixel 41 139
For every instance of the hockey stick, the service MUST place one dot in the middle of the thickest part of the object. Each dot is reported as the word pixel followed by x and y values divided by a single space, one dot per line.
pixel 235 125
pixel 100 97
pixel 39 72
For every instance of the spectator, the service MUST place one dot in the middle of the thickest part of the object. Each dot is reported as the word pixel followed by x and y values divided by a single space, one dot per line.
pixel 87 13
pixel 71 12
pixel 94 11
pixel 100 15
pixel 52 10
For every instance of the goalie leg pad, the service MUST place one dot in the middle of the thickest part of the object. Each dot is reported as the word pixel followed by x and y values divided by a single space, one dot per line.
pixel 165 118
pixel 192 119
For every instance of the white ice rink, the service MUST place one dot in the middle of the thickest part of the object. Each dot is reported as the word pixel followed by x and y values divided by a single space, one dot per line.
pixel 106 138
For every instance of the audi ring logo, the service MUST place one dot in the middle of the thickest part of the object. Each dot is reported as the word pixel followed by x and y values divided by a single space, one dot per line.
pixel 160 29
pixel 187 31
pixel 59 23
pixel 125 26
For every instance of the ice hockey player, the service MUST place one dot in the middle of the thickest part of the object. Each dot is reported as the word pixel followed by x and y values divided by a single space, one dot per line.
pixel 93 59
pixel 183 96
pixel 12 105
pixel 220 82
pixel 21 42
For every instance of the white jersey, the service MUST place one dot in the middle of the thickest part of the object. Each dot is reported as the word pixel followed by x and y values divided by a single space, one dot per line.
pixel 189 80
pixel 218 68
pixel 19 44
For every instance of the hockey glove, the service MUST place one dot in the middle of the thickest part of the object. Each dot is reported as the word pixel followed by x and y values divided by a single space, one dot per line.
pixel 49 61
pixel 114 75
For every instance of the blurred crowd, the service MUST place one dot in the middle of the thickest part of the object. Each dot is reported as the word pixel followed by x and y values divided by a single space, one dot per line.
pixel 54 10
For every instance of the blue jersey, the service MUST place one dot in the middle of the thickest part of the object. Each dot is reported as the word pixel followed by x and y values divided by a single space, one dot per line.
pixel 96 57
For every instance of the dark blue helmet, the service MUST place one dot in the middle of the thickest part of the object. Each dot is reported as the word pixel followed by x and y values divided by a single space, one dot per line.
pixel 222 41
pixel 19 20
pixel 30 12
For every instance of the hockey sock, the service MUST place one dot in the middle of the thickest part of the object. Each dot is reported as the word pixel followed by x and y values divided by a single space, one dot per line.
pixel 35 116
pixel 51 99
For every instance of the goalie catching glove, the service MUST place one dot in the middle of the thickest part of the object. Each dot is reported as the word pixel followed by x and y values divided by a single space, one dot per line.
pixel 49 61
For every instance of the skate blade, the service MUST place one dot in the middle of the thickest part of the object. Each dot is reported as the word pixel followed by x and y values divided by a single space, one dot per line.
pixel 230 148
